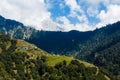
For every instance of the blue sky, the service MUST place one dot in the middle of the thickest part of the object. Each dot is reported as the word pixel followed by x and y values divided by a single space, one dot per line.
pixel 62 15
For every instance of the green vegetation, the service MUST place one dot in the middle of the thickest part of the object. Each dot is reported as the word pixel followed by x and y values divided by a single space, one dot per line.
pixel 17 63
pixel 54 59
pixel 103 49
pixel 100 47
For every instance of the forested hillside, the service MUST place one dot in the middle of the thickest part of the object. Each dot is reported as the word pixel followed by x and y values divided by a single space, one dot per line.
pixel 103 49
pixel 100 47
pixel 25 61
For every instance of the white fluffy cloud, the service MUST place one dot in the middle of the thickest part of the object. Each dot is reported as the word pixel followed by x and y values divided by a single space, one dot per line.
pixel 65 22
pixel 74 7
pixel 32 12
pixel 67 26
pixel 75 11
pixel 35 13
pixel 110 16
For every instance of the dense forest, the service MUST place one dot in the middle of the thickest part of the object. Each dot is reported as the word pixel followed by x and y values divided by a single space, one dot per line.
pixel 100 47
pixel 18 65
pixel 104 48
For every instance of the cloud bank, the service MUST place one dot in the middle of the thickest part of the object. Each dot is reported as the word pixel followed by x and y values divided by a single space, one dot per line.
pixel 30 12
pixel 63 15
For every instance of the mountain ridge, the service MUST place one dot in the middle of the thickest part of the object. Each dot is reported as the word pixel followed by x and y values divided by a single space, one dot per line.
pixel 91 46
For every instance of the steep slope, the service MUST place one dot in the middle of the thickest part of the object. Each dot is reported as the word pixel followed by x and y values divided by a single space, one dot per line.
pixel 21 60
pixel 95 46
pixel 59 42
pixel 15 29
pixel 56 42
pixel 103 49
pixel 75 41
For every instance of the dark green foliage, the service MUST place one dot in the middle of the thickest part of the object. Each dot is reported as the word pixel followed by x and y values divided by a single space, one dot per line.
pixel 43 58
pixel 69 72
pixel 19 66
pixel 59 42
pixel 101 46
